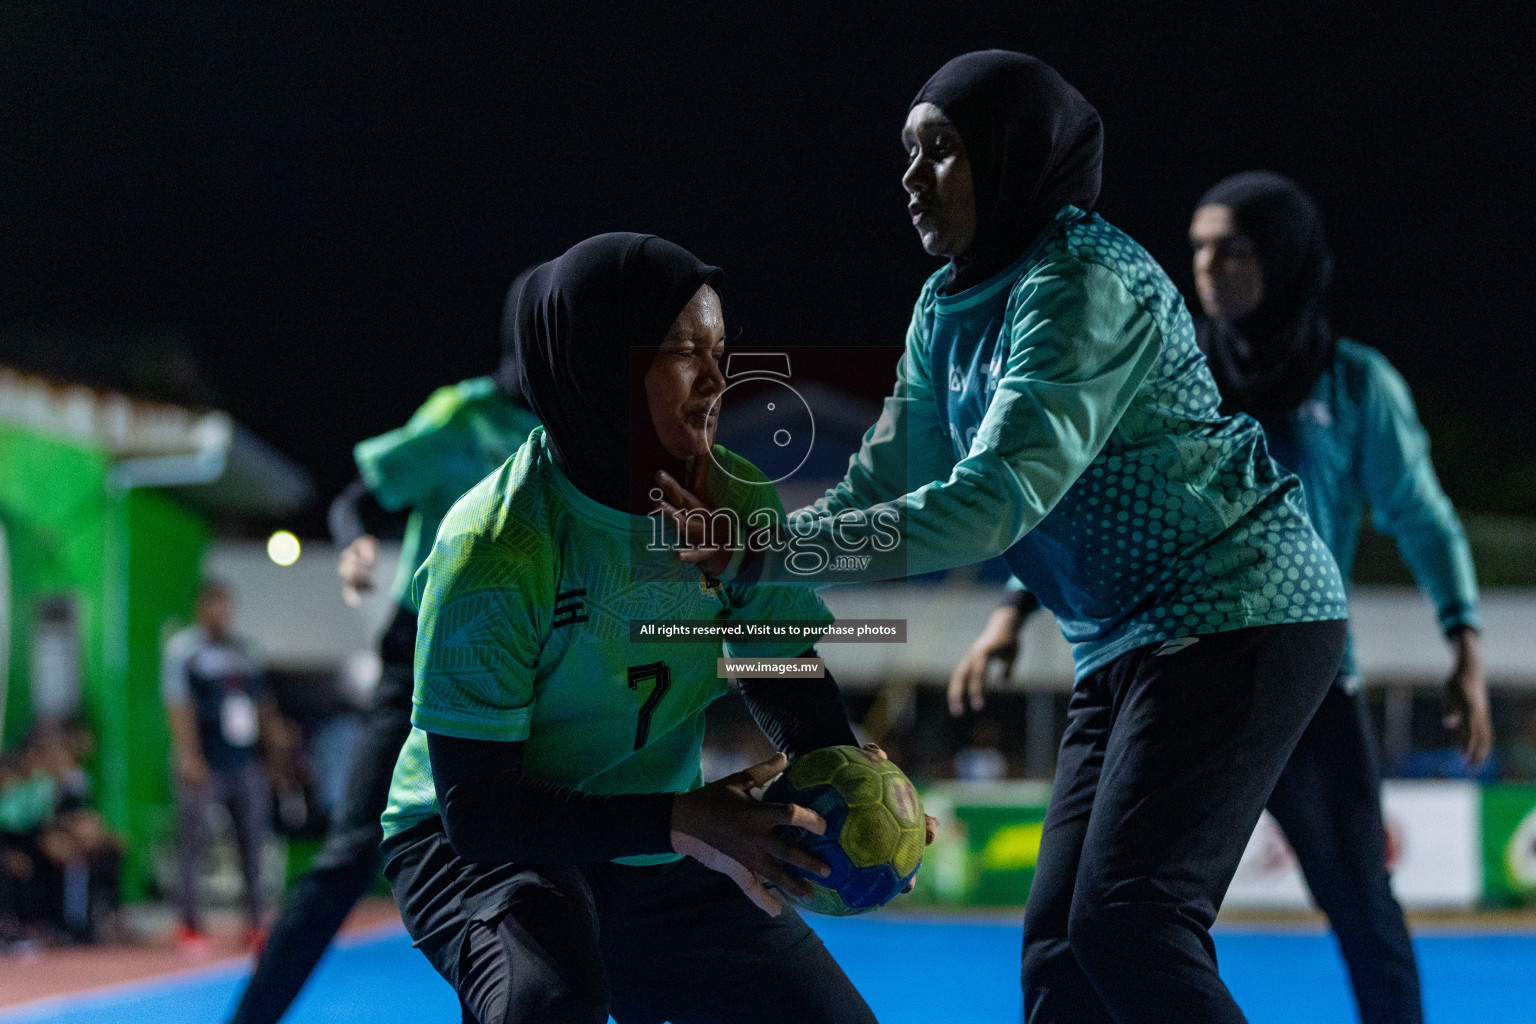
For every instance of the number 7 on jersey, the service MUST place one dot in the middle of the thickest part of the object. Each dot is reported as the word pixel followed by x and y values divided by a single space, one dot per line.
pixel 661 677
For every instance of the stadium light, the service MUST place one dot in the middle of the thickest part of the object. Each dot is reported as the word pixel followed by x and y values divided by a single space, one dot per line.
pixel 283 548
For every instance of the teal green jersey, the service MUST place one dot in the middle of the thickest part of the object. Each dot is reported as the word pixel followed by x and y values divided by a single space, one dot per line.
pixel 26 803
pixel 1060 414
pixel 526 602
pixel 460 434
pixel 1357 439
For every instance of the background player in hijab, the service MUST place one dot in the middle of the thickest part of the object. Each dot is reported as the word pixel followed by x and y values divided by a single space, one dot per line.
pixel 460 434
pixel 550 784
pixel 1338 414
pixel 1052 406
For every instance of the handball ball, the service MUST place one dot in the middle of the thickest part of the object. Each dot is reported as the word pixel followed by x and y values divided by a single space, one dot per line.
pixel 874 838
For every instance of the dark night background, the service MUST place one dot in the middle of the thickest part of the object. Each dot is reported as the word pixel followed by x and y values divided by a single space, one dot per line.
pixel 307 214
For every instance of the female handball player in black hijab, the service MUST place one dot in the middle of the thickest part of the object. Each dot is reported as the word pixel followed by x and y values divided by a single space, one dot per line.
pixel 550 787
pixel 1338 414
pixel 1053 407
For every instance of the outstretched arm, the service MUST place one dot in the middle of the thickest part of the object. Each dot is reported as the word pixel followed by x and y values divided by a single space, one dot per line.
pixel 355 518
pixel 1407 501
pixel 898 453
pixel 1080 346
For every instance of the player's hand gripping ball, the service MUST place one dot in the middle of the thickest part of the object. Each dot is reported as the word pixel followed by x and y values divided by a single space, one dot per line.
pixel 874 838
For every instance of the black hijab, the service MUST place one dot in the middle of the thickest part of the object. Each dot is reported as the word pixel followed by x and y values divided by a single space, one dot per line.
pixel 574 325
pixel 507 378
pixel 1034 145
pixel 1270 361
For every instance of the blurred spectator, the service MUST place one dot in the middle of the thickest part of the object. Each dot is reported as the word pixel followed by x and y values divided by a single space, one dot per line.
pixel 26 801
pixel 219 706
pixel 79 743
pixel 82 857
pixel 59 862
pixel 331 744
pixel 982 760
pixel 322 710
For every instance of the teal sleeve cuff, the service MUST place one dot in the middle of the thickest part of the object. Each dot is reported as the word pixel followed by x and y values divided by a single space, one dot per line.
pixel 1459 616
pixel 511 727
pixel 1021 600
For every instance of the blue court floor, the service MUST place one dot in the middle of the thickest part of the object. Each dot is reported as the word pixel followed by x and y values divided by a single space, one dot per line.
pixel 911 971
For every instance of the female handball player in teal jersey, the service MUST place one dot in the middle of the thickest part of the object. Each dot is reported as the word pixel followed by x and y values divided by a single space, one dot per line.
pixel 550 786
pixel 1052 407
pixel 1336 413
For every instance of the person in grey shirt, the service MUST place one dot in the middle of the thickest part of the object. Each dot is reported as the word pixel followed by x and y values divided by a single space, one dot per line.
pixel 221 715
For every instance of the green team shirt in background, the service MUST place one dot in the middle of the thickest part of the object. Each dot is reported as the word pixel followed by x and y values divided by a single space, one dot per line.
pixel 461 433
pixel 525 604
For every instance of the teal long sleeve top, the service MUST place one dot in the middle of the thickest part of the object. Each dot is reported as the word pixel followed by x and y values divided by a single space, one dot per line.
pixel 1357 439
pixel 1060 414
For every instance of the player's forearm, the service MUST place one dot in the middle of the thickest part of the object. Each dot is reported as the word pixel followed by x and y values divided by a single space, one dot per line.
pixel 1020 600
pixel 1440 559
pixel 1408 502
pixel 273 730
pixel 343 517
pixel 355 512
pixel 494 813
pixel 1035 442
pixel 1466 644
pixel 898 455
pixel 976 514
pixel 184 740
pixel 797 715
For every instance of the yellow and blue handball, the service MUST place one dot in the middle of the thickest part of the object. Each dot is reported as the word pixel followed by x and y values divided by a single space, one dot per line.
pixel 874 838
